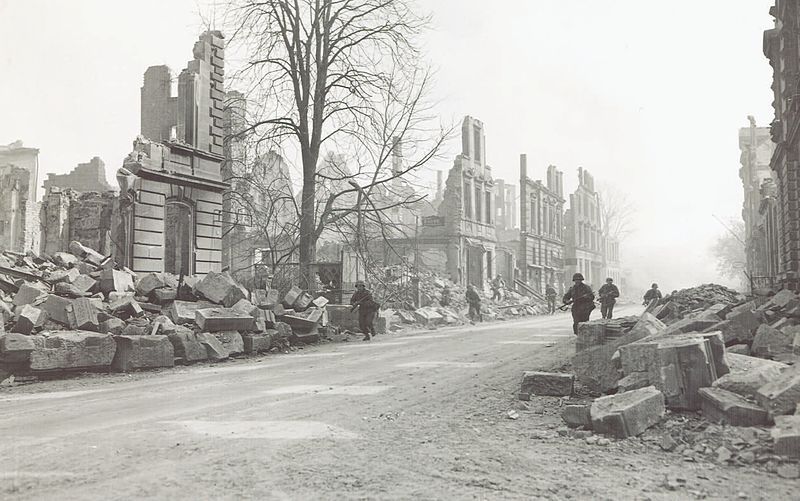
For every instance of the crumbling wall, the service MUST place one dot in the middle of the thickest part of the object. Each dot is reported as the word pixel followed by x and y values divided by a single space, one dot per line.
pixel 14 196
pixel 89 176
pixel 90 220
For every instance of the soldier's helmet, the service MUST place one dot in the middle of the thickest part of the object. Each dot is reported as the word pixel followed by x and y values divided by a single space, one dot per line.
pixel 577 276
pixel 360 282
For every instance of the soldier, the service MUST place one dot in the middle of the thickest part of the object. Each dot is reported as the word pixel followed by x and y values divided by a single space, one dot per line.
pixel 498 284
pixel 474 302
pixel 581 297
pixel 608 297
pixel 445 301
pixel 652 293
pixel 367 307
pixel 550 293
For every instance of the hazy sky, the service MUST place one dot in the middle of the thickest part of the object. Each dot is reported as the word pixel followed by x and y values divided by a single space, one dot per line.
pixel 646 95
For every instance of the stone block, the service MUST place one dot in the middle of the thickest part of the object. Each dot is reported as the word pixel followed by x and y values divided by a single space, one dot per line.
pixel 127 308
pixel 164 295
pixel 627 414
pixel 648 325
pixel 142 352
pixel 57 350
pixel 223 319
pixel 152 281
pixel 594 367
pixel 112 325
pixel 781 299
pixel 747 383
pixel 770 341
pixel 82 315
pixel 746 322
pixel 796 344
pixel 320 302
pixel 63 276
pixel 291 296
pixel 187 346
pixel 633 381
pixel 732 332
pixel 577 416
pixel 428 316
pixel 64 259
pixel 231 341
pixel 722 406
pixel 28 294
pixel 590 334
pixel 183 312
pixel 340 316
pixel 28 319
pixel 739 349
pixel 786 436
pixel 246 306
pixel 220 288
pixel 781 395
pixel 214 348
pixel 257 342
pixel 85 284
pixel 15 347
pixel 68 290
pixel 115 280
pixel 690 324
pixel 546 384
pixel 56 308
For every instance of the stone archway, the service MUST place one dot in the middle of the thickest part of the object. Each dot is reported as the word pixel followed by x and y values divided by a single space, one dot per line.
pixel 178 237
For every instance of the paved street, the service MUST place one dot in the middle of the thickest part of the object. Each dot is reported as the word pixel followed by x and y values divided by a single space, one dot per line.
pixel 420 415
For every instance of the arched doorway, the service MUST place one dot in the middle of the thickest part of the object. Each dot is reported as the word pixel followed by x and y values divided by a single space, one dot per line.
pixel 178 237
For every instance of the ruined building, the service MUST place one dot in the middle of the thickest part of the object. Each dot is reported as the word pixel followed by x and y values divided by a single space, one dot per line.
pixel 542 245
pixel 460 240
pixel 761 237
pixel 584 239
pixel 19 215
pixel 90 176
pixel 170 208
pixel 506 230
pixel 781 48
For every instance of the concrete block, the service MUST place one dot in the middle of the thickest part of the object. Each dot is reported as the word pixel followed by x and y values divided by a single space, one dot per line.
pixel 220 288
pixel 57 350
pixel 115 280
pixel 786 436
pixel 15 347
pixel 781 395
pixel 142 352
pixel 56 308
pixel 28 294
pixel 214 348
pixel 770 341
pixel 183 312
pixel 257 342
pixel 223 319
pixel 722 406
pixel 231 341
pixel 82 315
pixel 627 414
pixel 187 345
pixel 28 319
pixel 546 383
pixel 577 416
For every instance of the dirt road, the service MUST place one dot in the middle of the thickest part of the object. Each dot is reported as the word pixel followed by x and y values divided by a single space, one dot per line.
pixel 407 416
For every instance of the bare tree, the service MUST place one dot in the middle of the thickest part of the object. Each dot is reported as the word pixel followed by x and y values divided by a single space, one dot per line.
pixel 344 74
pixel 729 251
pixel 616 213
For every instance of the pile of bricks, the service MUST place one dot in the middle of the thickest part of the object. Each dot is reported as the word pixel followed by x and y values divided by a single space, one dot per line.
pixel 78 310
pixel 732 359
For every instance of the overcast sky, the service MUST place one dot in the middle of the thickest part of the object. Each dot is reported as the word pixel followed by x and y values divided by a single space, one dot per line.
pixel 646 95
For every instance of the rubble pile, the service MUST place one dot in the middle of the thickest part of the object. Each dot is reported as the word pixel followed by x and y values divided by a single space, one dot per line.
pixel 79 310
pixel 707 350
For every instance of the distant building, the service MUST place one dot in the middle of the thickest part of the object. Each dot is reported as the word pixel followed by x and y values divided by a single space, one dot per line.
pixel 782 49
pixel 542 241
pixel 585 248
pixel 760 238
pixel 19 215
pixel 90 176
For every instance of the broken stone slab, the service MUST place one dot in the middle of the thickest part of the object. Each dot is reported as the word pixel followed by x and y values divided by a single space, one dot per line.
pixel 428 316
pixel 214 348
pixel 770 341
pixel 592 333
pixel 320 301
pixel 112 325
pixel 142 352
pixel 739 349
pixel 732 332
pixel 796 344
pixel 246 306
pixel 68 290
pixel 28 319
pixel 781 395
pixel 291 296
pixel 28 294
pixel 302 302
pixel 627 414
pixel 633 381
pixel 127 308
pixel 232 341
pixel 257 342
pixel 187 346
pixel 726 407
pixel 648 325
pixel 594 367
pixel 56 350
pixel 266 299
pixel 745 321
pixel 748 374
pixel 546 384
pixel 85 284
pixel 86 253
pixel 220 288
pixel 15 348
pixel 786 436
pixel 183 312
pixel 781 299
pixel 116 280
pixel 69 275
pixel 82 315
pixel 152 281
pixel 223 319
pixel 56 308
pixel 164 295
pixel 577 416
pixel 690 324
pixel 64 259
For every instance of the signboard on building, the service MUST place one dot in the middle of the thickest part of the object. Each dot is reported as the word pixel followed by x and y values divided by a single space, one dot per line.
pixel 432 221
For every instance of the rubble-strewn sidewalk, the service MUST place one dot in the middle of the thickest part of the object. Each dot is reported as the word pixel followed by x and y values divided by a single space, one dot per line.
pixel 80 311
pixel 705 351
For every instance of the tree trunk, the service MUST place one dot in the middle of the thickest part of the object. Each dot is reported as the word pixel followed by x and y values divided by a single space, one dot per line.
pixel 308 222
